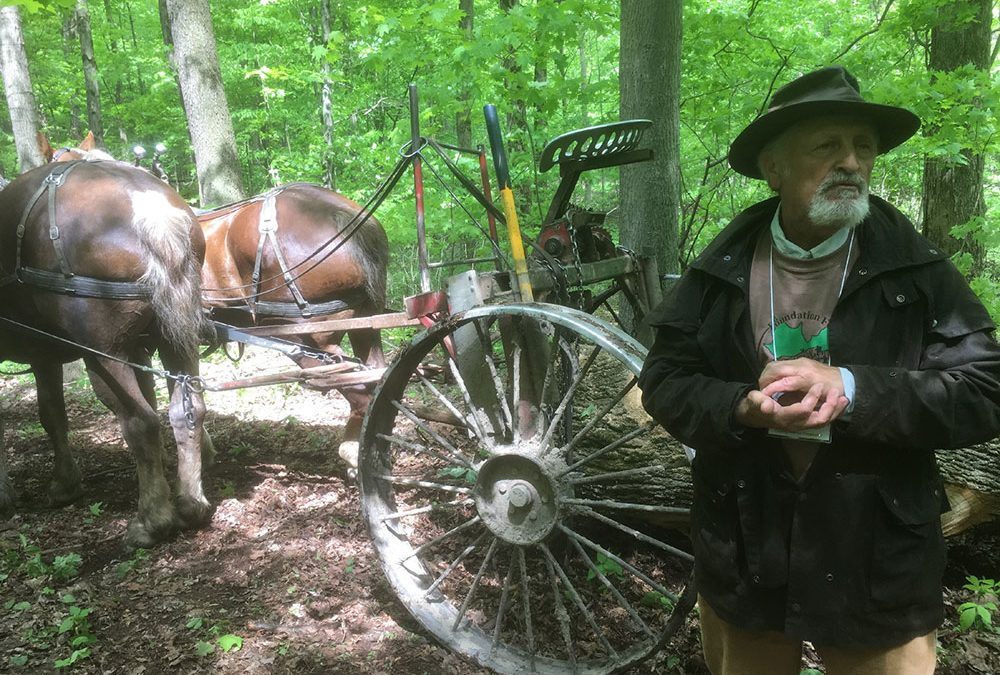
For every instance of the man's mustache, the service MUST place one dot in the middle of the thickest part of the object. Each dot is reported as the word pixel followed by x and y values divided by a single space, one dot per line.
pixel 838 177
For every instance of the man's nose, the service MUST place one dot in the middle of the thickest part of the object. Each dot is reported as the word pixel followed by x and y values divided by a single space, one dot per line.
pixel 849 161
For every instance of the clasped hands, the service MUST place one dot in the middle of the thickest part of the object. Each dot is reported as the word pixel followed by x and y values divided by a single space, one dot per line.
pixel 794 395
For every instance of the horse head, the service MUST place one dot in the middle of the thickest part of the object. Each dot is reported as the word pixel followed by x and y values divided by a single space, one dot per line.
pixel 87 150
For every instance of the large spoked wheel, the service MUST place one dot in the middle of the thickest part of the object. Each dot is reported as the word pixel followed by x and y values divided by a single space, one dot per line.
pixel 500 486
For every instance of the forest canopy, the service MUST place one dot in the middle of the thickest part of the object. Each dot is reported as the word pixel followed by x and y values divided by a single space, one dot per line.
pixel 550 66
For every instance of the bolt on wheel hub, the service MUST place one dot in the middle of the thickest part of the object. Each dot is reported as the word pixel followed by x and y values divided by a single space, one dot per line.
pixel 516 499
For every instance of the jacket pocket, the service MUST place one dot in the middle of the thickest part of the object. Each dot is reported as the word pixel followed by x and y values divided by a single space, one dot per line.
pixel 715 531
pixel 909 552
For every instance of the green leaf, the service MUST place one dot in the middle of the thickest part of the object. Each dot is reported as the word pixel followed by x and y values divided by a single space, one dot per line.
pixel 966 616
pixel 204 648
pixel 230 642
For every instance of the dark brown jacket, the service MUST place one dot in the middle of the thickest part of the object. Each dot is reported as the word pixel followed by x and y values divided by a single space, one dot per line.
pixel 853 555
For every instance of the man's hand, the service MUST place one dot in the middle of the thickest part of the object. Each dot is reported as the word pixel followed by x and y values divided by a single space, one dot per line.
pixel 794 395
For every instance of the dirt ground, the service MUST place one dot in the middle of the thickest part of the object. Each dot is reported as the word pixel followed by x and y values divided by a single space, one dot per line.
pixel 283 579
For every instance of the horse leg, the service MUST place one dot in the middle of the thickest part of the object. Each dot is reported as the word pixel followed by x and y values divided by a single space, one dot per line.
pixel 117 386
pixel 367 346
pixel 194 446
pixel 65 484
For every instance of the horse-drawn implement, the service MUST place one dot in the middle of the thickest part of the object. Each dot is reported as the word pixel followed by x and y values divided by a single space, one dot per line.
pixel 505 466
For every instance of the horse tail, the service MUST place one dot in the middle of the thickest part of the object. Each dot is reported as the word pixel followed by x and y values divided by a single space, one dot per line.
pixel 373 247
pixel 172 269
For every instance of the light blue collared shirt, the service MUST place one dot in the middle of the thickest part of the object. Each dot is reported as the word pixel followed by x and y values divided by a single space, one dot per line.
pixel 826 247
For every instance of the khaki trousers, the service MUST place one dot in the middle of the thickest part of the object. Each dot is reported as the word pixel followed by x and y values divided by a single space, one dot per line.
pixel 734 651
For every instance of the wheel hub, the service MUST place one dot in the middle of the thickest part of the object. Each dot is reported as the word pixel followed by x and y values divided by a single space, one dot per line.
pixel 516 498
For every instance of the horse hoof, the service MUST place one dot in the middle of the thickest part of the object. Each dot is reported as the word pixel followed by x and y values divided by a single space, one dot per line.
pixel 192 513
pixel 348 452
pixel 142 535
pixel 61 494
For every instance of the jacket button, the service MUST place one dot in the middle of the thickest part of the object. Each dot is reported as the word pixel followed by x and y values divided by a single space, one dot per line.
pixel 892 373
pixel 739 280
pixel 901 298
pixel 829 577
pixel 727 258
pixel 933 251
pixel 741 484
pixel 838 476
pixel 756 578
pixel 863 271
pixel 796 607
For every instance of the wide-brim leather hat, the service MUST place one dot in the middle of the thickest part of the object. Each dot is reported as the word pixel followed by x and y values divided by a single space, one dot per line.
pixel 827 91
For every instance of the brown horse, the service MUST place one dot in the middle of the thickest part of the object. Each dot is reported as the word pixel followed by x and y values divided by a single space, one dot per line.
pixel 100 261
pixel 301 253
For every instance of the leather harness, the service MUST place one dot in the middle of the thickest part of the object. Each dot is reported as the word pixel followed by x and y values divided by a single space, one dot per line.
pixel 64 281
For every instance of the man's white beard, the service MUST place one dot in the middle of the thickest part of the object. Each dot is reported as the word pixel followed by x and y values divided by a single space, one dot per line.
pixel 828 210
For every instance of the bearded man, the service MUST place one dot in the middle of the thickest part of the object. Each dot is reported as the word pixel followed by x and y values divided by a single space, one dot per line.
pixel 815 355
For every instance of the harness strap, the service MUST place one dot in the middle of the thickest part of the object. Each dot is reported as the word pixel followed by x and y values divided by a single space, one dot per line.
pixel 268 229
pixel 55 178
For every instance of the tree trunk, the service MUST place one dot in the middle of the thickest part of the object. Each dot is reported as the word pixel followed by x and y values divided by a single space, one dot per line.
pixel 17 85
pixel 953 191
pixel 90 78
pixel 197 65
pixel 649 83
pixel 326 102
pixel 463 118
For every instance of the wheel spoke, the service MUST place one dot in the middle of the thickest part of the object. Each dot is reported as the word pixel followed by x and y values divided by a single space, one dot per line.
pixel 596 419
pixel 575 597
pixel 642 472
pixel 454 453
pixel 477 427
pixel 425 450
pixel 624 506
pixel 504 602
pixel 659 588
pixel 415 482
pixel 622 602
pixel 472 522
pixel 515 386
pixel 562 616
pixel 475 584
pixel 454 564
pixel 486 343
pixel 446 506
pixel 526 599
pixel 567 397
pixel 683 555
pixel 646 428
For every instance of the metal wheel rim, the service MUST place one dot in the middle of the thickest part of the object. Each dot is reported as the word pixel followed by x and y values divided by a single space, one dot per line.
pixel 529 481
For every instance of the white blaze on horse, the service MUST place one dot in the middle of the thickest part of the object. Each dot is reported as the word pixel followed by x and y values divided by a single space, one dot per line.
pixel 100 260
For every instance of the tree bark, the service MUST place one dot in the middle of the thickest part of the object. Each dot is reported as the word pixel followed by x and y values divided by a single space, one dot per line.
pixel 649 81
pixel 463 118
pixel 90 76
pixel 953 191
pixel 196 62
pixel 326 102
pixel 17 86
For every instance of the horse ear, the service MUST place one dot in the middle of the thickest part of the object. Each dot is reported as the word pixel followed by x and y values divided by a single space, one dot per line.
pixel 45 147
pixel 88 142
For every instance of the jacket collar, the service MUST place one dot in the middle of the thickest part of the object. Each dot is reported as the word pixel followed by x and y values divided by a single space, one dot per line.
pixel 886 238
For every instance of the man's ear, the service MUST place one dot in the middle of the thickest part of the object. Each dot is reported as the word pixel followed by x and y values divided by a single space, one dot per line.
pixel 770 169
